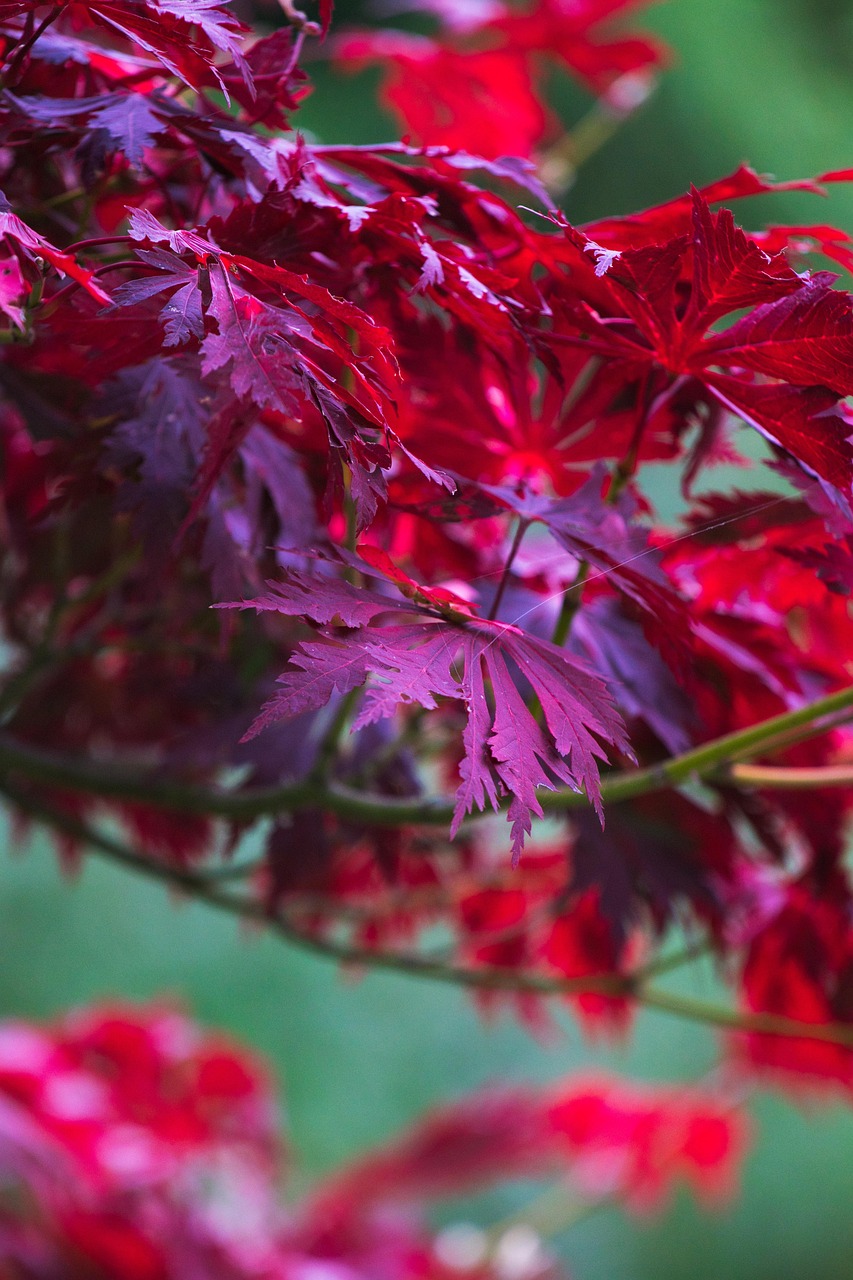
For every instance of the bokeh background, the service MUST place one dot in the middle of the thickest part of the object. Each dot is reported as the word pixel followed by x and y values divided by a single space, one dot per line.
pixel 767 81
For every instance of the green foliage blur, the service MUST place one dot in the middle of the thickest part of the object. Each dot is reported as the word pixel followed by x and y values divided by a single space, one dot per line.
pixel 768 81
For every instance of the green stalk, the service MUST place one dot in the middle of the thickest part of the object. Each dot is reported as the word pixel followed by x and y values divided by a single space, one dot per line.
pixel 573 597
pixel 198 886
pixel 571 603
pixel 17 759
pixel 329 744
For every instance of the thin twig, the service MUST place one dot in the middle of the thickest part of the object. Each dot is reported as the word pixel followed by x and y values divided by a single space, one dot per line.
pixel 27 43
pixel 97 779
pixel 784 778
pixel 628 986
pixel 555 1211
pixel 298 19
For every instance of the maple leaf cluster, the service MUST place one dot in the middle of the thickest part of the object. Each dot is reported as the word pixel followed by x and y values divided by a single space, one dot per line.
pixel 478 83
pixel 135 1146
pixel 395 426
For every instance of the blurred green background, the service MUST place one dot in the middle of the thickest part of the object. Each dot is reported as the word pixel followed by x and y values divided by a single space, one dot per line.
pixel 762 81
pixel 768 81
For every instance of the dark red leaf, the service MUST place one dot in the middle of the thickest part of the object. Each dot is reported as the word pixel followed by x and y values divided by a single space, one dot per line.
pixel 805 338
pixel 805 421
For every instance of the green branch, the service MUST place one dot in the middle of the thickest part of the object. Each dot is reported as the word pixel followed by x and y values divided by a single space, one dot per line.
pixel 633 986
pixel 709 761
pixel 784 778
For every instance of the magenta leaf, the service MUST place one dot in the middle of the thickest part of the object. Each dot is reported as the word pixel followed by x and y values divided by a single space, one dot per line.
pixel 182 313
pixel 507 751
pixel 323 600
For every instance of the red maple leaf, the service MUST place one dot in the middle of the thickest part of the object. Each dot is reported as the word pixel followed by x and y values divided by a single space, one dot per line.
pixel 784 367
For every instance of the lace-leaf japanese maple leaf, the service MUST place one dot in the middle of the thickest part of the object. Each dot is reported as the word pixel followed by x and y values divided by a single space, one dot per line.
pixel 784 367
pixel 477 85
pixel 113 121
pixel 275 340
pixel 446 654
pixel 799 964
pixel 618 648
pixel 663 222
pixel 183 35
pixel 658 855
pixel 580 36
pixel 481 101
pixel 832 563
pixel 641 1139
pixel 182 314
pixel 610 1135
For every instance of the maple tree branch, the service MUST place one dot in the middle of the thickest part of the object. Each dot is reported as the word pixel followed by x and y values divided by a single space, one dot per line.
pixel 632 986
pixel 563 1204
pixel 662 964
pixel 793 737
pixel 786 778
pixel 705 761
pixel 230 871
pixel 708 759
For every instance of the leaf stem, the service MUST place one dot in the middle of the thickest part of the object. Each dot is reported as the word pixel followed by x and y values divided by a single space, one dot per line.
pixel 560 163
pixel 552 1213
pixel 571 604
pixel 23 49
pixel 523 526
pixel 329 744
pixel 573 596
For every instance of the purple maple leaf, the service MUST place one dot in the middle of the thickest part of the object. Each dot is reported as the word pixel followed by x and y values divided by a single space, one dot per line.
pixel 182 313
pixel 507 750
